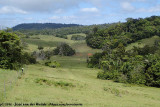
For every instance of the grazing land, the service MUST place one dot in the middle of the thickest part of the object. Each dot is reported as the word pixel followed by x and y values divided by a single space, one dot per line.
pixel 73 82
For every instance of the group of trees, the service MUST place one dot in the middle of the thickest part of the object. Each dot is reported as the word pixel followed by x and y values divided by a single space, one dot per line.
pixel 12 55
pixel 64 50
pixel 126 33
pixel 11 52
pixel 138 65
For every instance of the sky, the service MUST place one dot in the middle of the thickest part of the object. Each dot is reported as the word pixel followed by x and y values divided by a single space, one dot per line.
pixel 84 12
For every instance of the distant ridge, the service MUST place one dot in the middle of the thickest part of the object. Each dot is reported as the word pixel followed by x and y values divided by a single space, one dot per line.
pixel 39 26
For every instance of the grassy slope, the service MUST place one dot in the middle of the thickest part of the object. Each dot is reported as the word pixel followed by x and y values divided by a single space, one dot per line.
pixel 9 78
pixel 143 42
pixel 87 89
pixel 48 42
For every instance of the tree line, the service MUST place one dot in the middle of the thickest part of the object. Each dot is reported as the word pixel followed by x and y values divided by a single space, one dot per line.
pixel 126 33
pixel 140 65
pixel 63 31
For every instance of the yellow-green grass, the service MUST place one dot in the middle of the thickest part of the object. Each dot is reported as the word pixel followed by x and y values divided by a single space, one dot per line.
pixel 8 79
pixel 85 88
pixel 53 39
pixel 143 42
pixel 48 42
pixel 82 50
pixel 42 84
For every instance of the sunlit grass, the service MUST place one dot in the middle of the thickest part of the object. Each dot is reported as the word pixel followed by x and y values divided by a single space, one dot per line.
pixel 73 83
pixel 143 42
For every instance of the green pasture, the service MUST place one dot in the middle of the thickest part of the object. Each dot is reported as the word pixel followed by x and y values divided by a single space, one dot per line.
pixel 143 42
pixel 73 82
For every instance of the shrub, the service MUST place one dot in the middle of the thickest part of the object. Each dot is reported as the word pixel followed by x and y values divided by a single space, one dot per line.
pixel 63 84
pixel 54 64
pixel 40 47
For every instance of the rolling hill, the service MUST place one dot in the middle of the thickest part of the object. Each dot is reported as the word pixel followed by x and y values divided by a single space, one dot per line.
pixel 39 26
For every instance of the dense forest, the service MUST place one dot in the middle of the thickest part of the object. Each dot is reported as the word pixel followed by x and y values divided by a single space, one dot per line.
pixel 126 33
pixel 139 65
pixel 40 26
pixel 62 32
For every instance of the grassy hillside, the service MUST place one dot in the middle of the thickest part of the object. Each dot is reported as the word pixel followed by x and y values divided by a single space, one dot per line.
pixel 48 42
pixel 84 87
pixel 8 80
pixel 143 42
pixel 73 83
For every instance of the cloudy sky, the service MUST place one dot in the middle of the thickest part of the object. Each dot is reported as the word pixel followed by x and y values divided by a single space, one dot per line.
pixel 86 12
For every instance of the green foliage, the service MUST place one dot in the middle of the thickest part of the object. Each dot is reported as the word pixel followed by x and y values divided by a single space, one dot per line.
pixel 94 41
pixel 94 60
pixel 54 64
pixel 126 33
pixel 28 58
pixel 40 47
pixel 152 71
pixel 63 84
pixel 61 32
pixel 40 26
pixel 64 50
pixel 43 81
pixel 137 66
pixel 10 51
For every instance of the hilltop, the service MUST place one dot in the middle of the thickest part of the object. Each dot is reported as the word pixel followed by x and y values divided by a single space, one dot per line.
pixel 39 26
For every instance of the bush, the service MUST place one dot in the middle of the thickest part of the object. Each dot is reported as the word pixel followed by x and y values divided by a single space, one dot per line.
pixel 64 50
pixel 54 64
pixel 40 47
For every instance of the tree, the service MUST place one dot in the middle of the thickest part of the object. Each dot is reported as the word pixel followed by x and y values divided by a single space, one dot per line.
pixel 10 50
pixel 95 29
pixel 64 50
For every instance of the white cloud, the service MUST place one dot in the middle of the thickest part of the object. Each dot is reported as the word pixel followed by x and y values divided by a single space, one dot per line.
pixel 94 9
pixel 154 9
pixel 11 10
pixel 126 6
pixel 41 5
pixel 55 17
pixel 149 10
pixel 62 17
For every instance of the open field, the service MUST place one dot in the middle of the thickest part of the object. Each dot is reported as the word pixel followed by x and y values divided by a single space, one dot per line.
pixel 69 36
pixel 83 87
pixel 73 83
pixel 48 42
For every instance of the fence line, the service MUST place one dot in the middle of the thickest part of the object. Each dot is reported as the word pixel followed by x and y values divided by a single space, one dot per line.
pixel 8 84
